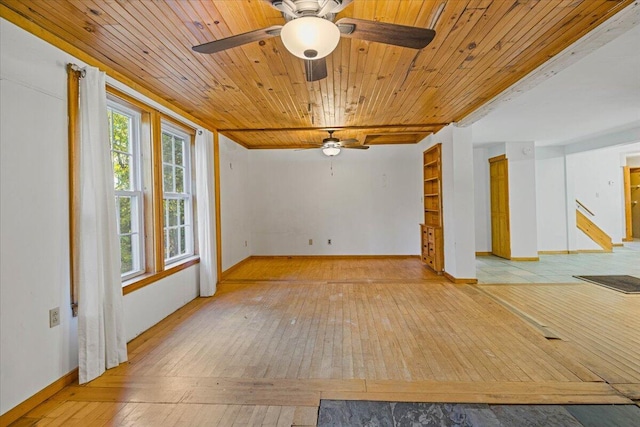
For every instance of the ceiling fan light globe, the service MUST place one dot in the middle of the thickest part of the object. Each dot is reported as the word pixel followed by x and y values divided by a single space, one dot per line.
pixel 331 151
pixel 310 34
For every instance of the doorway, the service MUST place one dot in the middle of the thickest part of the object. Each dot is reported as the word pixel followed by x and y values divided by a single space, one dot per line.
pixel 500 224
pixel 632 202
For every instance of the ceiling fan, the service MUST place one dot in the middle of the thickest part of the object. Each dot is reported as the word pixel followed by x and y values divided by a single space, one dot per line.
pixel 331 145
pixel 311 34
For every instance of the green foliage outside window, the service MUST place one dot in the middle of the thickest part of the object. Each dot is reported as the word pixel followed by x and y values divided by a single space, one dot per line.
pixel 122 158
pixel 126 161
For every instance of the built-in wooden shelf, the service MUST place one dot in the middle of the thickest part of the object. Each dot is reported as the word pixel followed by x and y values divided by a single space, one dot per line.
pixel 431 230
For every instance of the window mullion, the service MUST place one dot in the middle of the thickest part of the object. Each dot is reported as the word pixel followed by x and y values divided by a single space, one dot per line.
pixel 179 235
pixel 118 214
pixel 158 209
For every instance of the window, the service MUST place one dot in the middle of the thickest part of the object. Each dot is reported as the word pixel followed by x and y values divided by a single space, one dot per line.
pixel 153 181
pixel 177 196
pixel 124 135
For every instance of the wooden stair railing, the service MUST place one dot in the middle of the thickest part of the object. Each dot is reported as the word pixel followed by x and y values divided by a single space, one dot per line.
pixel 594 232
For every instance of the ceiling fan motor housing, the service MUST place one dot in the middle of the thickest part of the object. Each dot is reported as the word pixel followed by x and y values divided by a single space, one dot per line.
pixel 293 9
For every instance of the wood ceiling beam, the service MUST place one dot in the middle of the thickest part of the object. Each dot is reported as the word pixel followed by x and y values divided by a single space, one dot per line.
pixel 281 129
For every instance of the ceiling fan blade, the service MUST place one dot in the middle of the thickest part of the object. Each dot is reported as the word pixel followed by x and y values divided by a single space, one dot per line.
pixel 238 40
pixel 382 32
pixel 311 145
pixel 315 70
pixel 356 147
pixel 348 141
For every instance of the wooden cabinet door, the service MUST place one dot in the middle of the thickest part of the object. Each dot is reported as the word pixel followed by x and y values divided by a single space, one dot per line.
pixel 500 228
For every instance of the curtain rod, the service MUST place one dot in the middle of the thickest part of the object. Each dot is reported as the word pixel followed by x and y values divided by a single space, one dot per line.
pixel 77 69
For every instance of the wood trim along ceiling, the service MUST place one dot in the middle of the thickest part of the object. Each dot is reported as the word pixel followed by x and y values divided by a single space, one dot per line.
pixel 257 94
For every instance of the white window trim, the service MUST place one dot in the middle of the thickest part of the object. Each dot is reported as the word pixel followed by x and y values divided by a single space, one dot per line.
pixel 137 193
pixel 187 196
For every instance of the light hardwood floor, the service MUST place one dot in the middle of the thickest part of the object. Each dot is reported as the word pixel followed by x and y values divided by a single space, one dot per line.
pixel 600 326
pixel 268 346
pixel 333 269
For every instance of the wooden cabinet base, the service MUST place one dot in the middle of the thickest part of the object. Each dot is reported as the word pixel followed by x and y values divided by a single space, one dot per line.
pixel 432 247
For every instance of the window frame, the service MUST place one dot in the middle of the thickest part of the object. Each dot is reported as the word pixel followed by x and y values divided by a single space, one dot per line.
pixel 151 121
pixel 187 195
pixel 149 146
pixel 135 120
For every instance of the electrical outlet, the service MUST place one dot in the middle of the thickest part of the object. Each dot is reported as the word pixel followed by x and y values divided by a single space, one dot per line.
pixel 54 317
pixel 310 242
pixel 329 242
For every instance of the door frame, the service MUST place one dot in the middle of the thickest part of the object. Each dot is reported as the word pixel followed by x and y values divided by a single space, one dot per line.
pixel 626 177
pixel 500 158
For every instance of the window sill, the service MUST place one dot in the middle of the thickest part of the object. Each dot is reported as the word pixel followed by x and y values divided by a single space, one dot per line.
pixel 140 282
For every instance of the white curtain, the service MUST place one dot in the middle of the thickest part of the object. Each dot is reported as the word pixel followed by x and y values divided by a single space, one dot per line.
pixel 101 336
pixel 205 195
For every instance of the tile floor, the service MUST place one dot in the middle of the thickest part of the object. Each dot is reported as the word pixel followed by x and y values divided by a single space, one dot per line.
pixel 340 413
pixel 560 268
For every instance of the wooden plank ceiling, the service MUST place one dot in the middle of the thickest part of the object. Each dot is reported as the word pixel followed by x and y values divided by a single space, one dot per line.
pixel 257 94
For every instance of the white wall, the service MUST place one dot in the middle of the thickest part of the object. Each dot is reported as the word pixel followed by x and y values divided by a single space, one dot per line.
pixel 551 198
pixel 34 216
pixel 166 295
pixel 366 202
pixel 597 183
pixel 522 199
pixel 235 202
pixel 34 261
pixel 633 161
pixel 562 174
pixel 34 272
pixel 482 199
pixel 457 200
